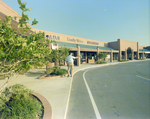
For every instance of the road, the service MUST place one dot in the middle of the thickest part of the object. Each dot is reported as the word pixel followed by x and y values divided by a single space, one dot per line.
pixel 119 91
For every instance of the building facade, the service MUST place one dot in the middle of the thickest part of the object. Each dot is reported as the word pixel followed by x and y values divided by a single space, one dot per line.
pixel 87 49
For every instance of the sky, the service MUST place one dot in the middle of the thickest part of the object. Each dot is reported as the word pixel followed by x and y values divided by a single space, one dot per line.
pixel 102 20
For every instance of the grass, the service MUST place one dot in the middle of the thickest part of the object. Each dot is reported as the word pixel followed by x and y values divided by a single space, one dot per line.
pixel 140 59
pixel 123 60
pixel 17 102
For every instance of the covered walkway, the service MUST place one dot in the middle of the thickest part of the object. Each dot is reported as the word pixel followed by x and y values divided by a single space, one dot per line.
pixel 84 51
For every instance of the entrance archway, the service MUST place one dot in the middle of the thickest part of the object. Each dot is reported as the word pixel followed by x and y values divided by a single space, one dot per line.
pixel 129 53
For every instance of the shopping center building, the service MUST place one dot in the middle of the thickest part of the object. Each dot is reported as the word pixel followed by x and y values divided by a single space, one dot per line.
pixel 86 48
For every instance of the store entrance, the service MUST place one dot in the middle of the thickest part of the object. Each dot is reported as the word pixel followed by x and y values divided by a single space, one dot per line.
pixel 129 54
pixel 82 57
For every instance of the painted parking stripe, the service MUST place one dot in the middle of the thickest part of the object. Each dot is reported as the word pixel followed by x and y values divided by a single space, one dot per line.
pixel 92 99
pixel 143 78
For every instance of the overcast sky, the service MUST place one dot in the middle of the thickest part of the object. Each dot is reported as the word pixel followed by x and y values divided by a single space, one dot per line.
pixel 102 20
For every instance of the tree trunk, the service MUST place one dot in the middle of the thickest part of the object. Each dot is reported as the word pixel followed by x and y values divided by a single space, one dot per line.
pixel 64 61
pixel 56 63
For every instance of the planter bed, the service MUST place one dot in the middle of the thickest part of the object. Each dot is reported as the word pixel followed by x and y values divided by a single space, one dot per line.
pixel 52 76
pixel 47 107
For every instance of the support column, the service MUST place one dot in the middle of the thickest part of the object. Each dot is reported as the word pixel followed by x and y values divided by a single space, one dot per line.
pixel 143 55
pixel 119 48
pixel 111 56
pixel 125 55
pixel 97 54
pixel 57 61
pixel 137 53
pixel 78 55
pixel 119 55
pixel 132 54
pixel 86 57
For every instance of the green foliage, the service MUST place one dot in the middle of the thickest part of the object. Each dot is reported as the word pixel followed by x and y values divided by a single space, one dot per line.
pixel 90 56
pixel 100 62
pixel 102 55
pixel 17 102
pixel 58 55
pixel 140 59
pixel 34 22
pixel 19 50
pixel 95 57
pixel 56 71
pixel 64 53
pixel 54 55
pixel 61 72
pixel 123 60
pixel 49 71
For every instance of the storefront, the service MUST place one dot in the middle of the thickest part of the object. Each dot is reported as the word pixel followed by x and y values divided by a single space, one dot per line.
pixel 87 48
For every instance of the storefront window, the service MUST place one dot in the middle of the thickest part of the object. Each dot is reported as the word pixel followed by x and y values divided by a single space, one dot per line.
pixel 115 56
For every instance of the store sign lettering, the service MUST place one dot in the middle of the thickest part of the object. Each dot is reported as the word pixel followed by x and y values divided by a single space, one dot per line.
pixel 52 37
pixel 93 43
pixel 74 40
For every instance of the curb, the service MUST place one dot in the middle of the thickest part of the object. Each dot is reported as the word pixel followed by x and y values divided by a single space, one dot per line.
pixel 69 93
pixel 47 107
pixel 94 66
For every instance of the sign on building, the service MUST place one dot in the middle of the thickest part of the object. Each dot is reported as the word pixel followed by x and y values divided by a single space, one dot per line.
pixel 54 46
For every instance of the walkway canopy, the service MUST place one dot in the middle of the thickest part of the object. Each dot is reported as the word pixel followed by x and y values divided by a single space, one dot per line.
pixel 147 51
pixel 82 46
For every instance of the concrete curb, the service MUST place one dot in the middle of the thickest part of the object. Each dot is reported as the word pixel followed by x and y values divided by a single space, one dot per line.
pixel 46 104
pixel 94 66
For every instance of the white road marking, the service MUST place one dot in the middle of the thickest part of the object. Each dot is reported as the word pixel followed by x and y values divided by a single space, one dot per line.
pixel 65 115
pixel 92 99
pixel 67 105
pixel 143 78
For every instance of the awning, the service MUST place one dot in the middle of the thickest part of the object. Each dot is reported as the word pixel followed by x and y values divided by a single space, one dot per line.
pixel 147 52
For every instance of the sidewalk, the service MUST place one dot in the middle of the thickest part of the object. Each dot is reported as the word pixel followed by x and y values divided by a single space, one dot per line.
pixel 55 90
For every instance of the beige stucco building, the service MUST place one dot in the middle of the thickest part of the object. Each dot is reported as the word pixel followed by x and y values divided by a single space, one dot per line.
pixel 117 50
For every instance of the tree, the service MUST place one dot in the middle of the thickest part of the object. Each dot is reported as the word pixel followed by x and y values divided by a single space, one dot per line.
pixel 102 55
pixel 57 55
pixel 64 52
pixel 20 51
pixel 90 56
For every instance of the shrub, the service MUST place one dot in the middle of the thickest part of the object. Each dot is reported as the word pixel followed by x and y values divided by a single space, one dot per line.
pixel 17 102
pixel 49 71
pixel 61 72
pixel 140 59
pixel 102 55
pixel 56 71
pixel 123 60
pixel 100 62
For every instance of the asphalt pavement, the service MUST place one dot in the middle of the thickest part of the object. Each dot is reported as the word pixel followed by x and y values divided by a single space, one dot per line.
pixel 56 90
pixel 118 91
